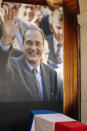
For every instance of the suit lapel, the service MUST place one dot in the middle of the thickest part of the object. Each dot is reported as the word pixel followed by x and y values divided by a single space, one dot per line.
pixel 28 79
pixel 46 82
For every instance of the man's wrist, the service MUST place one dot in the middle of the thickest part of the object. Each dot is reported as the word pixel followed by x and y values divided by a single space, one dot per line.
pixel 5 47
pixel 5 41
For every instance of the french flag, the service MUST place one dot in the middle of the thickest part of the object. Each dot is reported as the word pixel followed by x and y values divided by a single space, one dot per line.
pixel 44 120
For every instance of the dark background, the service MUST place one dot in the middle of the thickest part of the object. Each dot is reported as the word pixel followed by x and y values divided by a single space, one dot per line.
pixel 15 116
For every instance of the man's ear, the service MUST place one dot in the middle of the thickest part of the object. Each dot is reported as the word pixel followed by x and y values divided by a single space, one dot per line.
pixel 51 28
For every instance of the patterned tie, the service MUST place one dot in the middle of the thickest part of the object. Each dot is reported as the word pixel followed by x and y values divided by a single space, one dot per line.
pixel 58 53
pixel 37 82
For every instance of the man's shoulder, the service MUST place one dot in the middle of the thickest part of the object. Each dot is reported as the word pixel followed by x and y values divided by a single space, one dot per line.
pixel 17 59
pixel 16 52
pixel 49 37
pixel 48 68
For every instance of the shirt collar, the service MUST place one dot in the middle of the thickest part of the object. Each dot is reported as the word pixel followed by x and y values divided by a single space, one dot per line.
pixel 31 67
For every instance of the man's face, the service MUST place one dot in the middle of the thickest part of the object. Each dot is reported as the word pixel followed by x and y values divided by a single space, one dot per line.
pixel 57 24
pixel 58 31
pixel 31 13
pixel 33 46
pixel 28 11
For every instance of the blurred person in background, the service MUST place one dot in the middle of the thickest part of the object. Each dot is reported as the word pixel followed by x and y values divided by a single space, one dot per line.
pixel 27 12
pixel 52 26
pixel 45 24
pixel 32 13
pixel 55 38
pixel 45 54
pixel 58 69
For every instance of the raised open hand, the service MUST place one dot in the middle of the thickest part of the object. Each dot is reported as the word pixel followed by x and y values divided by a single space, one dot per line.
pixel 8 27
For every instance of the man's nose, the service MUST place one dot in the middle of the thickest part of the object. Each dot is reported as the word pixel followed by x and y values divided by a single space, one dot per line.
pixel 33 47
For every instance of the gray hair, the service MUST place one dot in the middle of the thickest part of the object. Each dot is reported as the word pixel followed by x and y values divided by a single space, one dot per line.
pixel 34 28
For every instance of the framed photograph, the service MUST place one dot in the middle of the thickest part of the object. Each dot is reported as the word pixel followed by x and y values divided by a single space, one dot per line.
pixel 31 37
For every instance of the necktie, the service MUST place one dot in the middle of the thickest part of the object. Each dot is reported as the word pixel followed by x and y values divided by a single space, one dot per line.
pixel 37 83
pixel 58 53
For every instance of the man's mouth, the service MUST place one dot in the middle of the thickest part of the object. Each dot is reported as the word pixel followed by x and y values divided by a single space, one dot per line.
pixel 33 53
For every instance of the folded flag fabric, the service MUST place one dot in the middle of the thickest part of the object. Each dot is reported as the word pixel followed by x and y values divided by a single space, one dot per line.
pixel 70 126
pixel 45 120
pixel 32 113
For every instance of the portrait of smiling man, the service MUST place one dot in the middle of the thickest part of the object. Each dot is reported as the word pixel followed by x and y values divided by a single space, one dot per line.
pixel 24 78
pixel 33 46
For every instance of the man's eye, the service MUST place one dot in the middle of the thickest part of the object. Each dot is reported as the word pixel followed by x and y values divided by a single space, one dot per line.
pixel 29 43
pixel 38 44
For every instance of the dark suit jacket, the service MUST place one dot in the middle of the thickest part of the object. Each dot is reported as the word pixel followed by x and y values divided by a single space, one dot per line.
pixel 44 25
pixel 52 56
pixel 17 81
